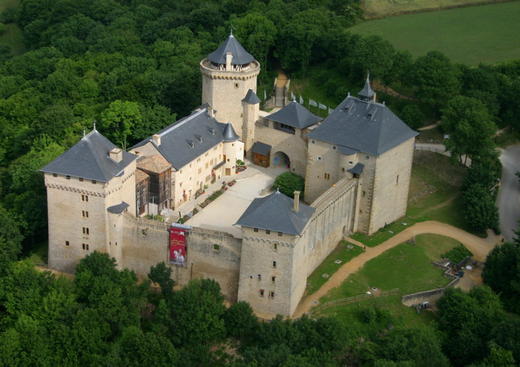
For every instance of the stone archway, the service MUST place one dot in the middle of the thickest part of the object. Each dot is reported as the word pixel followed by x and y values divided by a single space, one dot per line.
pixel 280 159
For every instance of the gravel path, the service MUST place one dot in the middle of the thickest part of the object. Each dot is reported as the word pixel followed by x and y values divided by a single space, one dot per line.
pixel 480 247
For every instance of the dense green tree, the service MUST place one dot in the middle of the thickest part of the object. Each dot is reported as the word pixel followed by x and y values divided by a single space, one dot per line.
pixel 469 125
pixel 119 119
pixel 502 273
pixel 240 321
pixel 288 183
pixel 257 33
pixel 466 320
pixel 479 208
pixel 435 78
pixel 161 275
pixel 412 115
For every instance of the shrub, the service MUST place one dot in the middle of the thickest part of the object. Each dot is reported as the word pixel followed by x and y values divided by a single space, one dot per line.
pixel 288 183
pixel 457 254
pixel 413 116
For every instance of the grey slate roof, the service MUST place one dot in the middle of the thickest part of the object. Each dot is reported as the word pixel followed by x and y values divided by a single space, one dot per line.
pixel 367 92
pixel 231 44
pixel 364 126
pixel 118 209
pixel 295 115
pixel 357 169
pixel 89 159
pixel 261 148
pixel 251 97
pixel 275 213
pixel 188 138
pixel 229 133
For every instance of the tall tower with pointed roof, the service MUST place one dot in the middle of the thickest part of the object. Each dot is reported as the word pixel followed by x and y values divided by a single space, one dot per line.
pixel 228 73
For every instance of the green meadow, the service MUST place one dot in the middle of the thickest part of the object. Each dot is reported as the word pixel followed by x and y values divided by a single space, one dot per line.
pixel 470 35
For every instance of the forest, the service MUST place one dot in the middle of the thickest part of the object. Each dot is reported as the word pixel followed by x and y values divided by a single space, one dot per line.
pixel 131 68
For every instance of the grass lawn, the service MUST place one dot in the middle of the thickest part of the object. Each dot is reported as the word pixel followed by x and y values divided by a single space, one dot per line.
pixel 382 8
pixel 406 267
pixel 470 35
pixel 434 195
pixel 328 266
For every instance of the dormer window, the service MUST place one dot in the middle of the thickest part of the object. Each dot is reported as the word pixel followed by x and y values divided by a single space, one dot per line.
pixel 191 143
pixel 199 138
pixel 212 131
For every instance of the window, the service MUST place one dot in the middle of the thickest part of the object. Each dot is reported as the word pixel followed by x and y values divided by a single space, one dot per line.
pixel 259 276
pixel 368 157
pixel 313 141
pixel 216 247
pixel 397 180
pixel 363 193
pixel 273 279
pixel 84 197
pixel 342 169
pixel 326 176
pixel 318 158
pixel 67 243
pixel 271 294
pixel 280 234
pixel 84 213
pixel 236 85
pixel 267 231
pixel 67 177
pixel 334 147
pixel 275 246
pixel 85 230
pixel 54 175
pixel 274 264
pixel 261 292
pixel 84 246
pixel 81 179
pixel 255 229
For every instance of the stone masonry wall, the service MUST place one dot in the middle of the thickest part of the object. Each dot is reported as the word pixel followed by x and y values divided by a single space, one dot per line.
pixel 295 146
pixel 146 244
pixel 391 185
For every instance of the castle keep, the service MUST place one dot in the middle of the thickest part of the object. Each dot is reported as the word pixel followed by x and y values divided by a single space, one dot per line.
pixel 356 163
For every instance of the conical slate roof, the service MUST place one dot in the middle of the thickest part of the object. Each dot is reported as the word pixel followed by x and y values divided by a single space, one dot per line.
pixel 229 133
pixel 367 92
pixel 275 213
pixel 90 159
pixel 240 55
pixel 295 115
pixel 251 97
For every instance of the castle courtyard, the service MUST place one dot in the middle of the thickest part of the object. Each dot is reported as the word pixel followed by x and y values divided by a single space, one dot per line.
pixel 224 212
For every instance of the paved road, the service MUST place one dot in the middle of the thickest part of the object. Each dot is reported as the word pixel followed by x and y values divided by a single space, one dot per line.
pixel 509 194
pixel 480 247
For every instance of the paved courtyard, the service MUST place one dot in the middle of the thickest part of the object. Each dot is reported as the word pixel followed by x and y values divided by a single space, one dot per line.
pixel 224 212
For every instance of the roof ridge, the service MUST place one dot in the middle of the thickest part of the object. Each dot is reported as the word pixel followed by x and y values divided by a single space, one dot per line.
pixel 96 159
pixel 181 122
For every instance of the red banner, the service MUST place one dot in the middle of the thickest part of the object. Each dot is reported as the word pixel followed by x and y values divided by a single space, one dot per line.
pixel 178 236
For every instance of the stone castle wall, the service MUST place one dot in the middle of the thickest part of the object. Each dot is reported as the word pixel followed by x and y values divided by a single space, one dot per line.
pixel 146 244
pixel 391 184
pixel 294 145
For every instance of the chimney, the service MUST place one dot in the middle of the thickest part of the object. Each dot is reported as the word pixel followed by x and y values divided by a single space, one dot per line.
pixel 156 139
pixel 229 60
pixel 116 155
pixel 296 203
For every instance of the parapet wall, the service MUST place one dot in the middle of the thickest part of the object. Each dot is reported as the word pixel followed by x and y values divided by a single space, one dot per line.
pixel 210 254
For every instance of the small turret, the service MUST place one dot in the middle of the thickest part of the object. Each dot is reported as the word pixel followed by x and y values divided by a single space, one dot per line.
pixel 367 93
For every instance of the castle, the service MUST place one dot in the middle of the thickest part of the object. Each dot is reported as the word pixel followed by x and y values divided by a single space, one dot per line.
pixel 356 163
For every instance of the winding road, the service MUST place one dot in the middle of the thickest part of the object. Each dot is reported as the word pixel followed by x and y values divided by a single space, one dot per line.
pixel 480 247
pixel 509 195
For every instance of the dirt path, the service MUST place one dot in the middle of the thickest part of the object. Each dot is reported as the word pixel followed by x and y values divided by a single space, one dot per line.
pixel 480 247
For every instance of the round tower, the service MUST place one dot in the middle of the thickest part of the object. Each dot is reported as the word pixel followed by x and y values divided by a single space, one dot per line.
pixel 228 74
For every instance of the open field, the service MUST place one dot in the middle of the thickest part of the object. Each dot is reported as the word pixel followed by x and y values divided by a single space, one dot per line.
pixel 471 35
pixel 406 267
pixel 382 8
